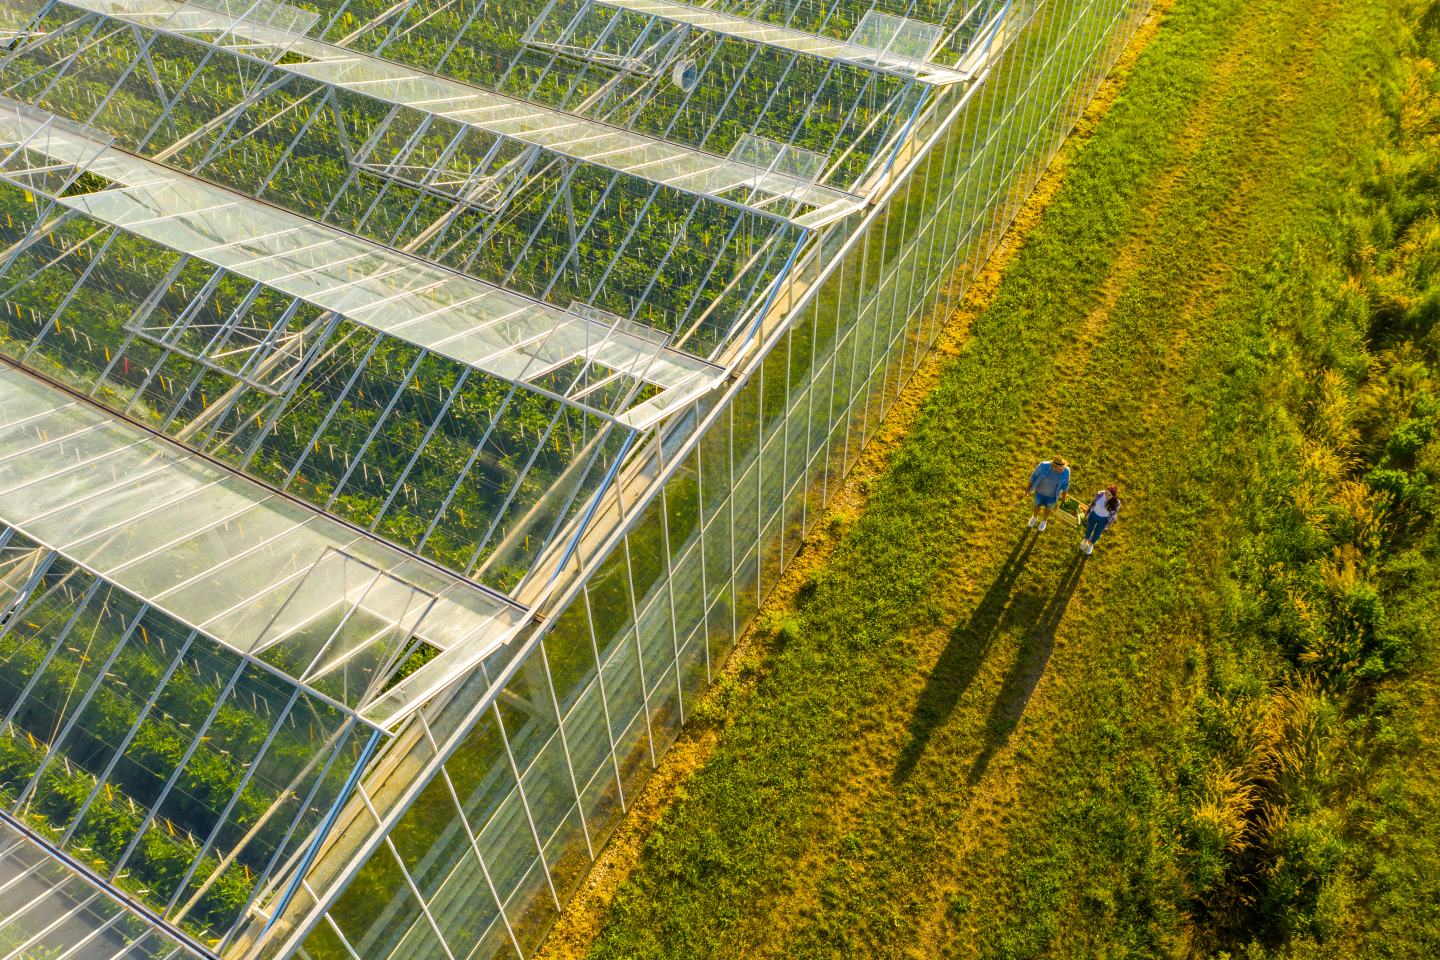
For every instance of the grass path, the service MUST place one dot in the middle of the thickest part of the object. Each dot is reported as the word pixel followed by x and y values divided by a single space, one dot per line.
pixel 962 747
pixel 580 921
pixel 1039 642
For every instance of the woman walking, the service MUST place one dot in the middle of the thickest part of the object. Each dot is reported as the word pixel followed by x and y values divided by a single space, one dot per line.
pixel 1049 481
pixel 1099 517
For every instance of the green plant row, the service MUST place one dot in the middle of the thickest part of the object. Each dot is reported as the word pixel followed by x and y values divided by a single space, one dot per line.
pixel 570 232
pixel 839 19
pixel 483 451
pixel 742 87
pixel 234 741
pixel 160 859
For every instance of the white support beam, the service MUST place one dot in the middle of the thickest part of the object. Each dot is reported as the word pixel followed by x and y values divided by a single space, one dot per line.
pixel 451 314
pixel 795 41
pixel 614 148
pixel 222 554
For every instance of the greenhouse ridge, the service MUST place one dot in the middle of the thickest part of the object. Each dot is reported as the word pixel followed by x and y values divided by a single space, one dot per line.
pixel 469 321
pixel 222 554
pixel 581 139
pixel 883 55
pixel 403 407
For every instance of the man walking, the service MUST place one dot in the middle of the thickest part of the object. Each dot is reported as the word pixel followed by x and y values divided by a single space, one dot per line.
pixel 1049 481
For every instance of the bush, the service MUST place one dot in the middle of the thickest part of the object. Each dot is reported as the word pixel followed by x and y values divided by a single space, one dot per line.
pixel 1407 439
pixel 1334 551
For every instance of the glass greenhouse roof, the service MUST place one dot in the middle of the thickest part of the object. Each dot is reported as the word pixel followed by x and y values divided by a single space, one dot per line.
pixel 615 148
pixel 887 56
pixel 52 910
pixel 942 33
pixel 456 316
pixel 654 72
pixel 275 581
pixel 591 208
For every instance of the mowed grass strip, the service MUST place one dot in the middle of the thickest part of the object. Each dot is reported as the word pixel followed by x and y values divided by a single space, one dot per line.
pixel 784 755
pixel 965 742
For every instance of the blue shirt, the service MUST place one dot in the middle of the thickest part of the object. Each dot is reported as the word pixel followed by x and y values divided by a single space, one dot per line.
pixel 1049 482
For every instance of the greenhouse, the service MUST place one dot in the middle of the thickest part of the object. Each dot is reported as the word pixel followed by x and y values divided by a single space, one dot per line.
pixel 405 405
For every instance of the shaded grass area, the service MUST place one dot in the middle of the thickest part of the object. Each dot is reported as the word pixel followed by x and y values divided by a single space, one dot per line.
pixel 968 741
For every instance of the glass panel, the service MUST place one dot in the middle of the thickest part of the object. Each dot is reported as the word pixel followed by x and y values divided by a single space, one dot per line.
pixel 657 633
pixel 623 691
pixel 569 653
pixel 693 678
pixel 548 789
pixel 509 845
pixel 463 909
pixel 378 909
pixel 568 854
pixel 234 580
pixel 635 758
pixel 531 908
pixel 586 735
pixel 609 598
pixel 51 912
pixel 600 802
pixel 665 711
pixel 430 839
pixel 480 772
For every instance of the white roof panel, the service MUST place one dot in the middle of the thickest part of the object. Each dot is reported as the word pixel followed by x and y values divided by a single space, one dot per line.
pixel 614 148
pixel 829 48
pixel 454 315
pixel 55 911
pixel 223 554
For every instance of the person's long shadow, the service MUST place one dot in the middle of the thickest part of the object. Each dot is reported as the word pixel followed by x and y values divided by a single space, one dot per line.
pixel 1029 667
pixel 960 661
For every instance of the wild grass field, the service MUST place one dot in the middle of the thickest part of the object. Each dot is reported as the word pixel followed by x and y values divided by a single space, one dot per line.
pixel 1218 735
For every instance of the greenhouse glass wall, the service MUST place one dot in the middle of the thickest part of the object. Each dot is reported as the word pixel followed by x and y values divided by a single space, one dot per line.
pixel 404 406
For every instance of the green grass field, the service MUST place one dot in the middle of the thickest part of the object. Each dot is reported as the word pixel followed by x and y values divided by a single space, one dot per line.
pixel 1217 736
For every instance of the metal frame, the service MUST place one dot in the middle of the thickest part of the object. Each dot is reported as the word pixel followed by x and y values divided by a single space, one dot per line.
pixel 580 138
pixel 330 538
pixel 179 945
pixel 796 41
pixel 219 226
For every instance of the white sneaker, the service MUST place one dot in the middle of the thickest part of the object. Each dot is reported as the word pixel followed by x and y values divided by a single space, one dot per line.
pixel 1042 524
pixel 1084 545
pixel 1089 549
pixel 1031 522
